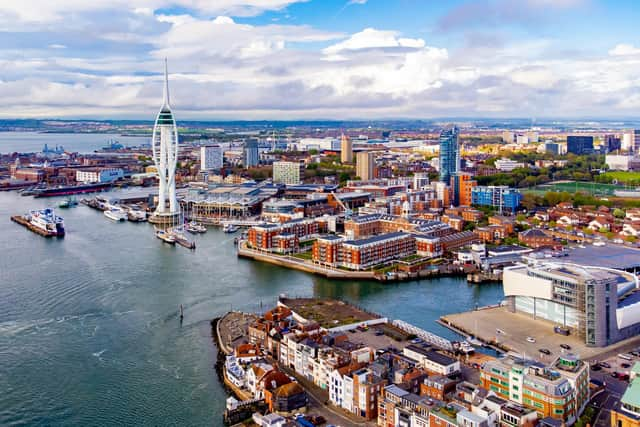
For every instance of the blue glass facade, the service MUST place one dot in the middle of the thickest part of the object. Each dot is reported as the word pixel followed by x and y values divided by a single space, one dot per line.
pixel 496 196
pixel 449 154
pixel 580 144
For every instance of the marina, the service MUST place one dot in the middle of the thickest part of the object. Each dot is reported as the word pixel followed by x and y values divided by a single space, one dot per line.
pixel 137 319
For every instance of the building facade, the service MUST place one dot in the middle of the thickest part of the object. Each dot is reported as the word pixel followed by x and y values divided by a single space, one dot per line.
pixel 600 305
pixel 287 172
pixel 580 144
pixel 250 154
pixel 449 154
pixel 211 157
pixel 365 165
pixel 346 149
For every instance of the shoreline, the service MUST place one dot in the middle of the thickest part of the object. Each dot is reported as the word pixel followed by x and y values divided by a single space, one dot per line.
pixel 332 273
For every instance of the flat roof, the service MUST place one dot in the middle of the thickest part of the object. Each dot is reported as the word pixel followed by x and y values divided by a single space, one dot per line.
pixel 610 256
pixel 375 239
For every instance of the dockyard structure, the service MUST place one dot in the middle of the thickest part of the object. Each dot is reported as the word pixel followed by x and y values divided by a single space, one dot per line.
pixel 600 305
pixel 559 391
pixel 164 144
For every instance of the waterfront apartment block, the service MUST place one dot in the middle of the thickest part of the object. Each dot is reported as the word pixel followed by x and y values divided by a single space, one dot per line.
pixel 326 250
pixel 271 237
pixel 366 253
pixel 559 391
pixel 600 305
pixel 360 226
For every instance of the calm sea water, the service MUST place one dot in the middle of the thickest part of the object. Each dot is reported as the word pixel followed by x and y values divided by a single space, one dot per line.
pixel 89 327
pixel 31 142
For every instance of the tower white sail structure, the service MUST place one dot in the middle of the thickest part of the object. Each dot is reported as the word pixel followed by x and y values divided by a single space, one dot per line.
pixel 164 145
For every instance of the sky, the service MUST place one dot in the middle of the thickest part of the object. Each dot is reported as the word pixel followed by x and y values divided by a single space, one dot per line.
pixel 320 59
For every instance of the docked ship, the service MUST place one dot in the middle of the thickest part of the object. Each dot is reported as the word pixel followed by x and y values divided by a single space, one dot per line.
pixel 166 236
pixel 46 222
pixel 116 214
pixel 230 228
pixel 69 190
pixel 194 227
pixel 135 214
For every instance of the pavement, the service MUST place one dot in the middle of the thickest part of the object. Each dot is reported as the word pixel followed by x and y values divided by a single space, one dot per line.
pixel 510 330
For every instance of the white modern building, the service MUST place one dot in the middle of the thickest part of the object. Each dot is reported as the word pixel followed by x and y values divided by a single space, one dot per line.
pixel 211 157
pixel 507 165
pixel 88 176
pixel 289 173
pixel 622 162
pixel 164 146
pixel 601 305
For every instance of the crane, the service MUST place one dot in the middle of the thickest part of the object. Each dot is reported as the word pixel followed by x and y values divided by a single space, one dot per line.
pixel 347 212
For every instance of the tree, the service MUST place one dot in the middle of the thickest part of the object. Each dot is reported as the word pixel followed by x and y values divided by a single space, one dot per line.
pixel 618 213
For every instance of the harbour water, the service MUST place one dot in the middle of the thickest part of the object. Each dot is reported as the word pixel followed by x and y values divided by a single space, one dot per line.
pixel 89 324
pixel 32 142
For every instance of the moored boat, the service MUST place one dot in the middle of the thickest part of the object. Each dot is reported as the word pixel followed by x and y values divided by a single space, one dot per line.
pixel 166 236
pixel 116 214
pixel 69 202
pixel 194 227
pixel 230 228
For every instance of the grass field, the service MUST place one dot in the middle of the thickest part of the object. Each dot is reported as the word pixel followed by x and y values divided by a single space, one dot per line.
pixel 592 188
pixel 624 177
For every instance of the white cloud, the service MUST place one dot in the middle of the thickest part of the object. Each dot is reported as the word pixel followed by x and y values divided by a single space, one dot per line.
pixel 624 50
pixel 372 38
pixel 41 11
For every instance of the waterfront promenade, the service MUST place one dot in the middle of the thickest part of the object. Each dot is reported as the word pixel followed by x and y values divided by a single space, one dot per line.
pixel 288 261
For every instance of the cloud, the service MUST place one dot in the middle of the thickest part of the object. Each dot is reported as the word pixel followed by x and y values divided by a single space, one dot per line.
pixel 624 50
pixel 372 38
pixel 222 67
pixel 42 11
pixel 357 2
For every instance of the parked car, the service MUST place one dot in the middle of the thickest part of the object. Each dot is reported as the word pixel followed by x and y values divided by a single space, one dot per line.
pixel 596 367
pixel 615 374
pixel 545 351
pixel 605 365
pixel 565 346
pixel 625 365
pixel 531 339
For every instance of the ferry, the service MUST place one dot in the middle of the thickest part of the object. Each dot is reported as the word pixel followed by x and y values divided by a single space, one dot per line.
pixel 116 214
pixel 47 221
pixel 230 228
pixel 194 227
pixel 166 237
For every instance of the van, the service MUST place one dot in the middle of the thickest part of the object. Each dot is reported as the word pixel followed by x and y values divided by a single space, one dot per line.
pixel 625 356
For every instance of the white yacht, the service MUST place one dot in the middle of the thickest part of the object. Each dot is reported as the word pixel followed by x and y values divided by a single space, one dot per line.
pixel 116 214
pixel 194 227
pixel 230 228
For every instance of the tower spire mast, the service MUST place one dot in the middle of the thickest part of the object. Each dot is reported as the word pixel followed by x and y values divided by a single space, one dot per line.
pixel 166 84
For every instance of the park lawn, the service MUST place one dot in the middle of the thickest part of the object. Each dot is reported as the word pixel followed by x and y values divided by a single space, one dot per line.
pixel 624 177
